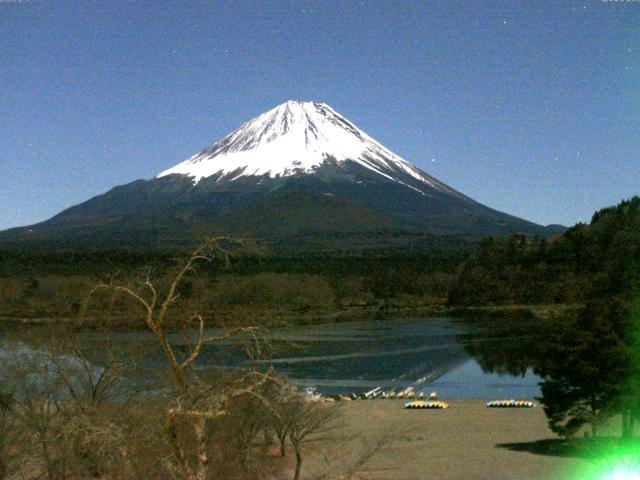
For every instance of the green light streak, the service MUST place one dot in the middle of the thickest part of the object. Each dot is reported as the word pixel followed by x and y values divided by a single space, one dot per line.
pixel 621 462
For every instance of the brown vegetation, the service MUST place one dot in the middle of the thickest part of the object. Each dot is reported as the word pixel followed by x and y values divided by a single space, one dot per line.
pixel 271 297
pixel 61 416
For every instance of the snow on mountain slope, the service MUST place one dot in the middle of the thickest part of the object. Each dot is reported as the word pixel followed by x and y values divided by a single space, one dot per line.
pixel 297 137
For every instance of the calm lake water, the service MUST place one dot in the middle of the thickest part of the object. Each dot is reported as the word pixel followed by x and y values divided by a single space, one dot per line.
pixel 433 354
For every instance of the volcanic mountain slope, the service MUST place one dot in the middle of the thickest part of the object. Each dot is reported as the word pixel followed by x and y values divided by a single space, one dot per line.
pixel 300 168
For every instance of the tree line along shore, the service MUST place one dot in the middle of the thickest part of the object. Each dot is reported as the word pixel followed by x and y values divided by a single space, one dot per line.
pixel 490 274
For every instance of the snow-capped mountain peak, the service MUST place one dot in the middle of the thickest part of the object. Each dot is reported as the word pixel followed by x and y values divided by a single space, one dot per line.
pixel 293 138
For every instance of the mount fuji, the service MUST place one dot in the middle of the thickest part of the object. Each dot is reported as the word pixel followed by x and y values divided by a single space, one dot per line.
pixel 298 138
pixel 298 170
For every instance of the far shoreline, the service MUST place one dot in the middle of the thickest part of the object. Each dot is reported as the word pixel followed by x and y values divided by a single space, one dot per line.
pixel 350 314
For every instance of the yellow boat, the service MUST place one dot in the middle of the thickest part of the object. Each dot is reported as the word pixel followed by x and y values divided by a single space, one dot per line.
pixel 421 404
pixel 511 404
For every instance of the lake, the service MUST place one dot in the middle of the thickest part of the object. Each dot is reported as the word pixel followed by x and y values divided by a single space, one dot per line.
pixel 454 358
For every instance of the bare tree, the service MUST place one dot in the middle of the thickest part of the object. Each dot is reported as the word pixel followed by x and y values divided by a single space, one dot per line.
pixel 308 421
pixel 36 408
pixel 95 398
pixel 346 457
pixel 62 414
pixel 285 406
pixel 195 402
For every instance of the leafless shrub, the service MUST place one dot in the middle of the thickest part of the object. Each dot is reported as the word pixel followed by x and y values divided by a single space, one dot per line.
pixel 97 446
pixel 66 414
pixel 309 422
pixel 36 410
pixel 7 434
pixel 348 457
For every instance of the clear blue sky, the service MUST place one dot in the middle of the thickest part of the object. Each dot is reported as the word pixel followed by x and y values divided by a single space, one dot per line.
pixel 532 108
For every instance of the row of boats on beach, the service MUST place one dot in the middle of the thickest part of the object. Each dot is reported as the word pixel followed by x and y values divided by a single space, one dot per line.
pixel 511 404
pixel 421 401
pixel 420 404
pixel 378 393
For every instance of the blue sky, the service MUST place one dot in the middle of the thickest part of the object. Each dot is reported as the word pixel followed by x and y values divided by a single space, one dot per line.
pixel 532 108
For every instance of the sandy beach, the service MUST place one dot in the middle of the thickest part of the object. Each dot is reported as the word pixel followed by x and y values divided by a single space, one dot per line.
pixel 466 441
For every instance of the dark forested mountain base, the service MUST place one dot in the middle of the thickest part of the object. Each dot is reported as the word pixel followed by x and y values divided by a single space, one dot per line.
pixel 562 269
pixel 299 273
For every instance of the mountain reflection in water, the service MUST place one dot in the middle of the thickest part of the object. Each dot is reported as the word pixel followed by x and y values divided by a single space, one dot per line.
pixel 482 359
